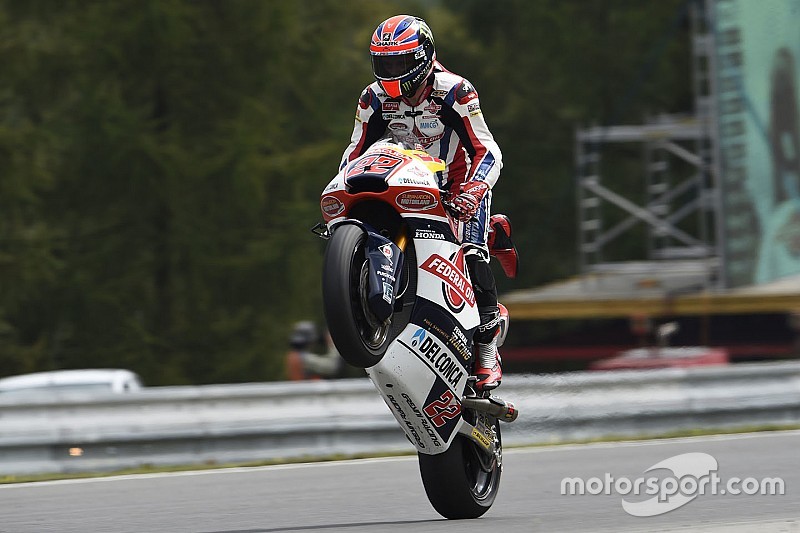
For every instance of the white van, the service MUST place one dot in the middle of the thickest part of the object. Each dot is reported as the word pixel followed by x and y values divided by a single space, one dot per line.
pixel 89 380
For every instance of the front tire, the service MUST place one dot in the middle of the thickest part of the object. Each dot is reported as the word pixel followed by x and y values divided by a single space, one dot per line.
pixel 359 336
pixel 463 481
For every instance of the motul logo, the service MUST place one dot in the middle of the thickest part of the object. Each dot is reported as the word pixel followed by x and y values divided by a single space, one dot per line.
pixel 458 289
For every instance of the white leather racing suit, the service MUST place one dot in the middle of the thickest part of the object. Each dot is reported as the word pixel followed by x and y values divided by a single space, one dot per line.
pixel 450 125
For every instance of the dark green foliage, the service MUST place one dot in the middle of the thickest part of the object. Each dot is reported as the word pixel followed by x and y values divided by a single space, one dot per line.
pixel 161 160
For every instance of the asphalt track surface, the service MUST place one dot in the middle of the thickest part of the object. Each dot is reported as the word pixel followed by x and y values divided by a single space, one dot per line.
pixel 386 495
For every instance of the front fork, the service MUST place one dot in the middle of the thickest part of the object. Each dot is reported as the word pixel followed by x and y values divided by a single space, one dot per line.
pixel 401 240
pixel 381 274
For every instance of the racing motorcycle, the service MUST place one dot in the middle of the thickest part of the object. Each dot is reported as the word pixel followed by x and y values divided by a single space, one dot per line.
pixel 399 303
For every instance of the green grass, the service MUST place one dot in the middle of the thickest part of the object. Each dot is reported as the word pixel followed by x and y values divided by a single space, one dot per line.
pixel 150 469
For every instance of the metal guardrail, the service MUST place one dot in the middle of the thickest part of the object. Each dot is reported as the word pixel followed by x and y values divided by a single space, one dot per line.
pixel 256 422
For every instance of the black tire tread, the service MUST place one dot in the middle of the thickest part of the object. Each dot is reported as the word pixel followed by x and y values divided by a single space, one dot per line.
pixel 447 485
pixel 337 302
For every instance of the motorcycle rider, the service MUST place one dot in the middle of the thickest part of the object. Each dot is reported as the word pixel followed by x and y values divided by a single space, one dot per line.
pixel 414 93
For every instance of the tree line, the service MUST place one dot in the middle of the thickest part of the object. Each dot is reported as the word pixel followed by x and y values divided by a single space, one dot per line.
pixel 161 160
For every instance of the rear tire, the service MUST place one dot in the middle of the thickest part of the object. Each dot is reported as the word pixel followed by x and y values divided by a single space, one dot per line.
pixel 463 481
pixel 360 337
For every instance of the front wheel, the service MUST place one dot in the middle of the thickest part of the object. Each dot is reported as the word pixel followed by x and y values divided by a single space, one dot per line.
pixel 358 335
pixel 463 481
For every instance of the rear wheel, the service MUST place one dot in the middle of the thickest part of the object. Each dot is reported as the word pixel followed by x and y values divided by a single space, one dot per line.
pixel 358 334
pixel 463 481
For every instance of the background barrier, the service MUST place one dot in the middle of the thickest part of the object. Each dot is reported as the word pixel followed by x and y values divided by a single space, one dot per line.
pixel 262 421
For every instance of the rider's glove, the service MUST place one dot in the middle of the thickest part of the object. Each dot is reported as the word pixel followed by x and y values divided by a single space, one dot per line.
pixel 468 202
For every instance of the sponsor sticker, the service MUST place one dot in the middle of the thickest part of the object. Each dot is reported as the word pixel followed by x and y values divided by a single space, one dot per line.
pixel 411 429
pixel 457 288
pixel 426 141
pixel 386 250
pixel 331 206
pixel 433 108
pixel 422 420
pixel 482 438
pixel 388 291
pixel 390 106
pixel 459 343
pixel 455 339
pixel 426 347
pixel 385 275
pixel 474 109
pixel 416 200
pixel 428 234
pixel 420 173
pixel 421 180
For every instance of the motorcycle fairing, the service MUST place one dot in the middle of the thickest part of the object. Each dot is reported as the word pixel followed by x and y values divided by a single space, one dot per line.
pixel 444 279
pixel 434 353
pixel 375 165
pixel 443 409
pixel 423 375
pixel 422 382
pixel 441 324
pixel 429 229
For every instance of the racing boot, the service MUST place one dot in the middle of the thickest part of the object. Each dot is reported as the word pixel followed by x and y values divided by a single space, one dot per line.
pixel 487 365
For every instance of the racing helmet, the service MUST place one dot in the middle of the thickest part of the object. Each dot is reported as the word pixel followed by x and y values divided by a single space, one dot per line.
pixel 403 53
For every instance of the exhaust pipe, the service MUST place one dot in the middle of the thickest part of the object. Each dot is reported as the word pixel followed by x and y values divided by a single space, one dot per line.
pixel 498 408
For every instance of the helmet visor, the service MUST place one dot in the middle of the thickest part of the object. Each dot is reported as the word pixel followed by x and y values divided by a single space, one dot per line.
pixel 394 67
